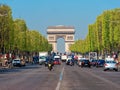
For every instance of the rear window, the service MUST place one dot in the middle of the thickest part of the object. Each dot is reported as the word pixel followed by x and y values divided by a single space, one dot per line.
pixel 16 60
pixel 101 60
pixel 86 61
pixel 56 59
pixel 110 62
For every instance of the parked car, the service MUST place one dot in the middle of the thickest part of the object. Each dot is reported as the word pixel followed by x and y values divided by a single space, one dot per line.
pixel 110 65
pixel 100 63
pixel 18 62
pixel 94 62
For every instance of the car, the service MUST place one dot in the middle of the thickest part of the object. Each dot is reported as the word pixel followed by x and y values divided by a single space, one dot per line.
pixel 100 63
pixel 94 62
pixel 110 65
pixel 42 60
pixel 56 60
pixel 85 63
pixel 18 62
pixel 69 61
pixel 63 58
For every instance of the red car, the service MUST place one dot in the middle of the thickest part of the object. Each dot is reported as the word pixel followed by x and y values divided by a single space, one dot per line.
pixel 57 62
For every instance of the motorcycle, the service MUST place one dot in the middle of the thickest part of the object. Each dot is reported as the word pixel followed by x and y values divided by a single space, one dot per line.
pixel 50 66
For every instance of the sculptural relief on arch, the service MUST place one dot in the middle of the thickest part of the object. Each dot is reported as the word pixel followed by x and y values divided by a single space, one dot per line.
pixel 60 31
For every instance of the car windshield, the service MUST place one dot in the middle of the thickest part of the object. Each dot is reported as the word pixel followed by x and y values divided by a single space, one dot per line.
pixel 16 60
pixel 56 60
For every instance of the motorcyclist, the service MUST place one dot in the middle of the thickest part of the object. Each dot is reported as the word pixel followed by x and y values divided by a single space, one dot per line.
pixel 50 64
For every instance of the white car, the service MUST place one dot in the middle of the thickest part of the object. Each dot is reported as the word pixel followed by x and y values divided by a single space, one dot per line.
pixel 110 64
pixel 18 62
pixel 42 60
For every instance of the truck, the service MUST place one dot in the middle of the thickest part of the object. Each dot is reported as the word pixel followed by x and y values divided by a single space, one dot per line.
pixel 64 58
pixel 42 57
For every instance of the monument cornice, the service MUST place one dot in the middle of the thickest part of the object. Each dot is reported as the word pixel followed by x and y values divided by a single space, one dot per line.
pixel 59 32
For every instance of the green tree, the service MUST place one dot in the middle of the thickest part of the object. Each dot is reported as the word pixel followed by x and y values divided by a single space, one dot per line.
pixel 6 27
pixel 20 34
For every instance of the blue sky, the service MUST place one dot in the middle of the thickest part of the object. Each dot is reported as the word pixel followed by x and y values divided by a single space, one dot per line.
pixel 39 14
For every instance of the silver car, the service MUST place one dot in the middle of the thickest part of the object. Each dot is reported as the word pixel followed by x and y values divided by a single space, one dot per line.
pixel 110 65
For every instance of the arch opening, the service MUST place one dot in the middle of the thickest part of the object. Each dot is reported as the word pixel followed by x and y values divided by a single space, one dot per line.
pixel 61 45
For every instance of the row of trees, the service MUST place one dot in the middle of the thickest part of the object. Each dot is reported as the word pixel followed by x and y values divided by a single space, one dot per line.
pixel 16 37
pixel 103 35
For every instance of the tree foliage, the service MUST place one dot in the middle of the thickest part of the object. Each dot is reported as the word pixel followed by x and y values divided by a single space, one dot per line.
pixel 103 35
pixel 16 37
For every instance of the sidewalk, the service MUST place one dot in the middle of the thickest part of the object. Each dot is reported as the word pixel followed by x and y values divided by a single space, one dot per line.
pixel 2 66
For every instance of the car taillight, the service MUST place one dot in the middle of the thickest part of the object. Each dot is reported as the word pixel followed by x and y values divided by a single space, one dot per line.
pixel 105 64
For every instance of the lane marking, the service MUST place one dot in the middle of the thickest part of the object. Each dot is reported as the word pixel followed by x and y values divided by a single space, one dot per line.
pixel 60 79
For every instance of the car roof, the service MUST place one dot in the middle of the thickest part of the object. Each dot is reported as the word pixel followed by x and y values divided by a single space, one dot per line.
pixel 56 56
pixel 110 62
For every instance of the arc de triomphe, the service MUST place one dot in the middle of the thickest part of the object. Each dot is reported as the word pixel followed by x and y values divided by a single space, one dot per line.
pixel 65 32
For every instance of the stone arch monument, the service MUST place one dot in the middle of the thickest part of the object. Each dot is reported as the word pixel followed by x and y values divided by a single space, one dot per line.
pixel 60 31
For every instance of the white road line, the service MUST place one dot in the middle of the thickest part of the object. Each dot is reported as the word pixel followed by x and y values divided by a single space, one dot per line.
pixel 60 79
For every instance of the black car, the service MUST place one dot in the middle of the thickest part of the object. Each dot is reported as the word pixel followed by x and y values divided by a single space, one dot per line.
pixel 94 62
pixel 100 63
pixel 85 63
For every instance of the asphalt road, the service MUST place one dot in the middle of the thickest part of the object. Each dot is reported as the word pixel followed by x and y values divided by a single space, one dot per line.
pixel 63 77
pixel 76 78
